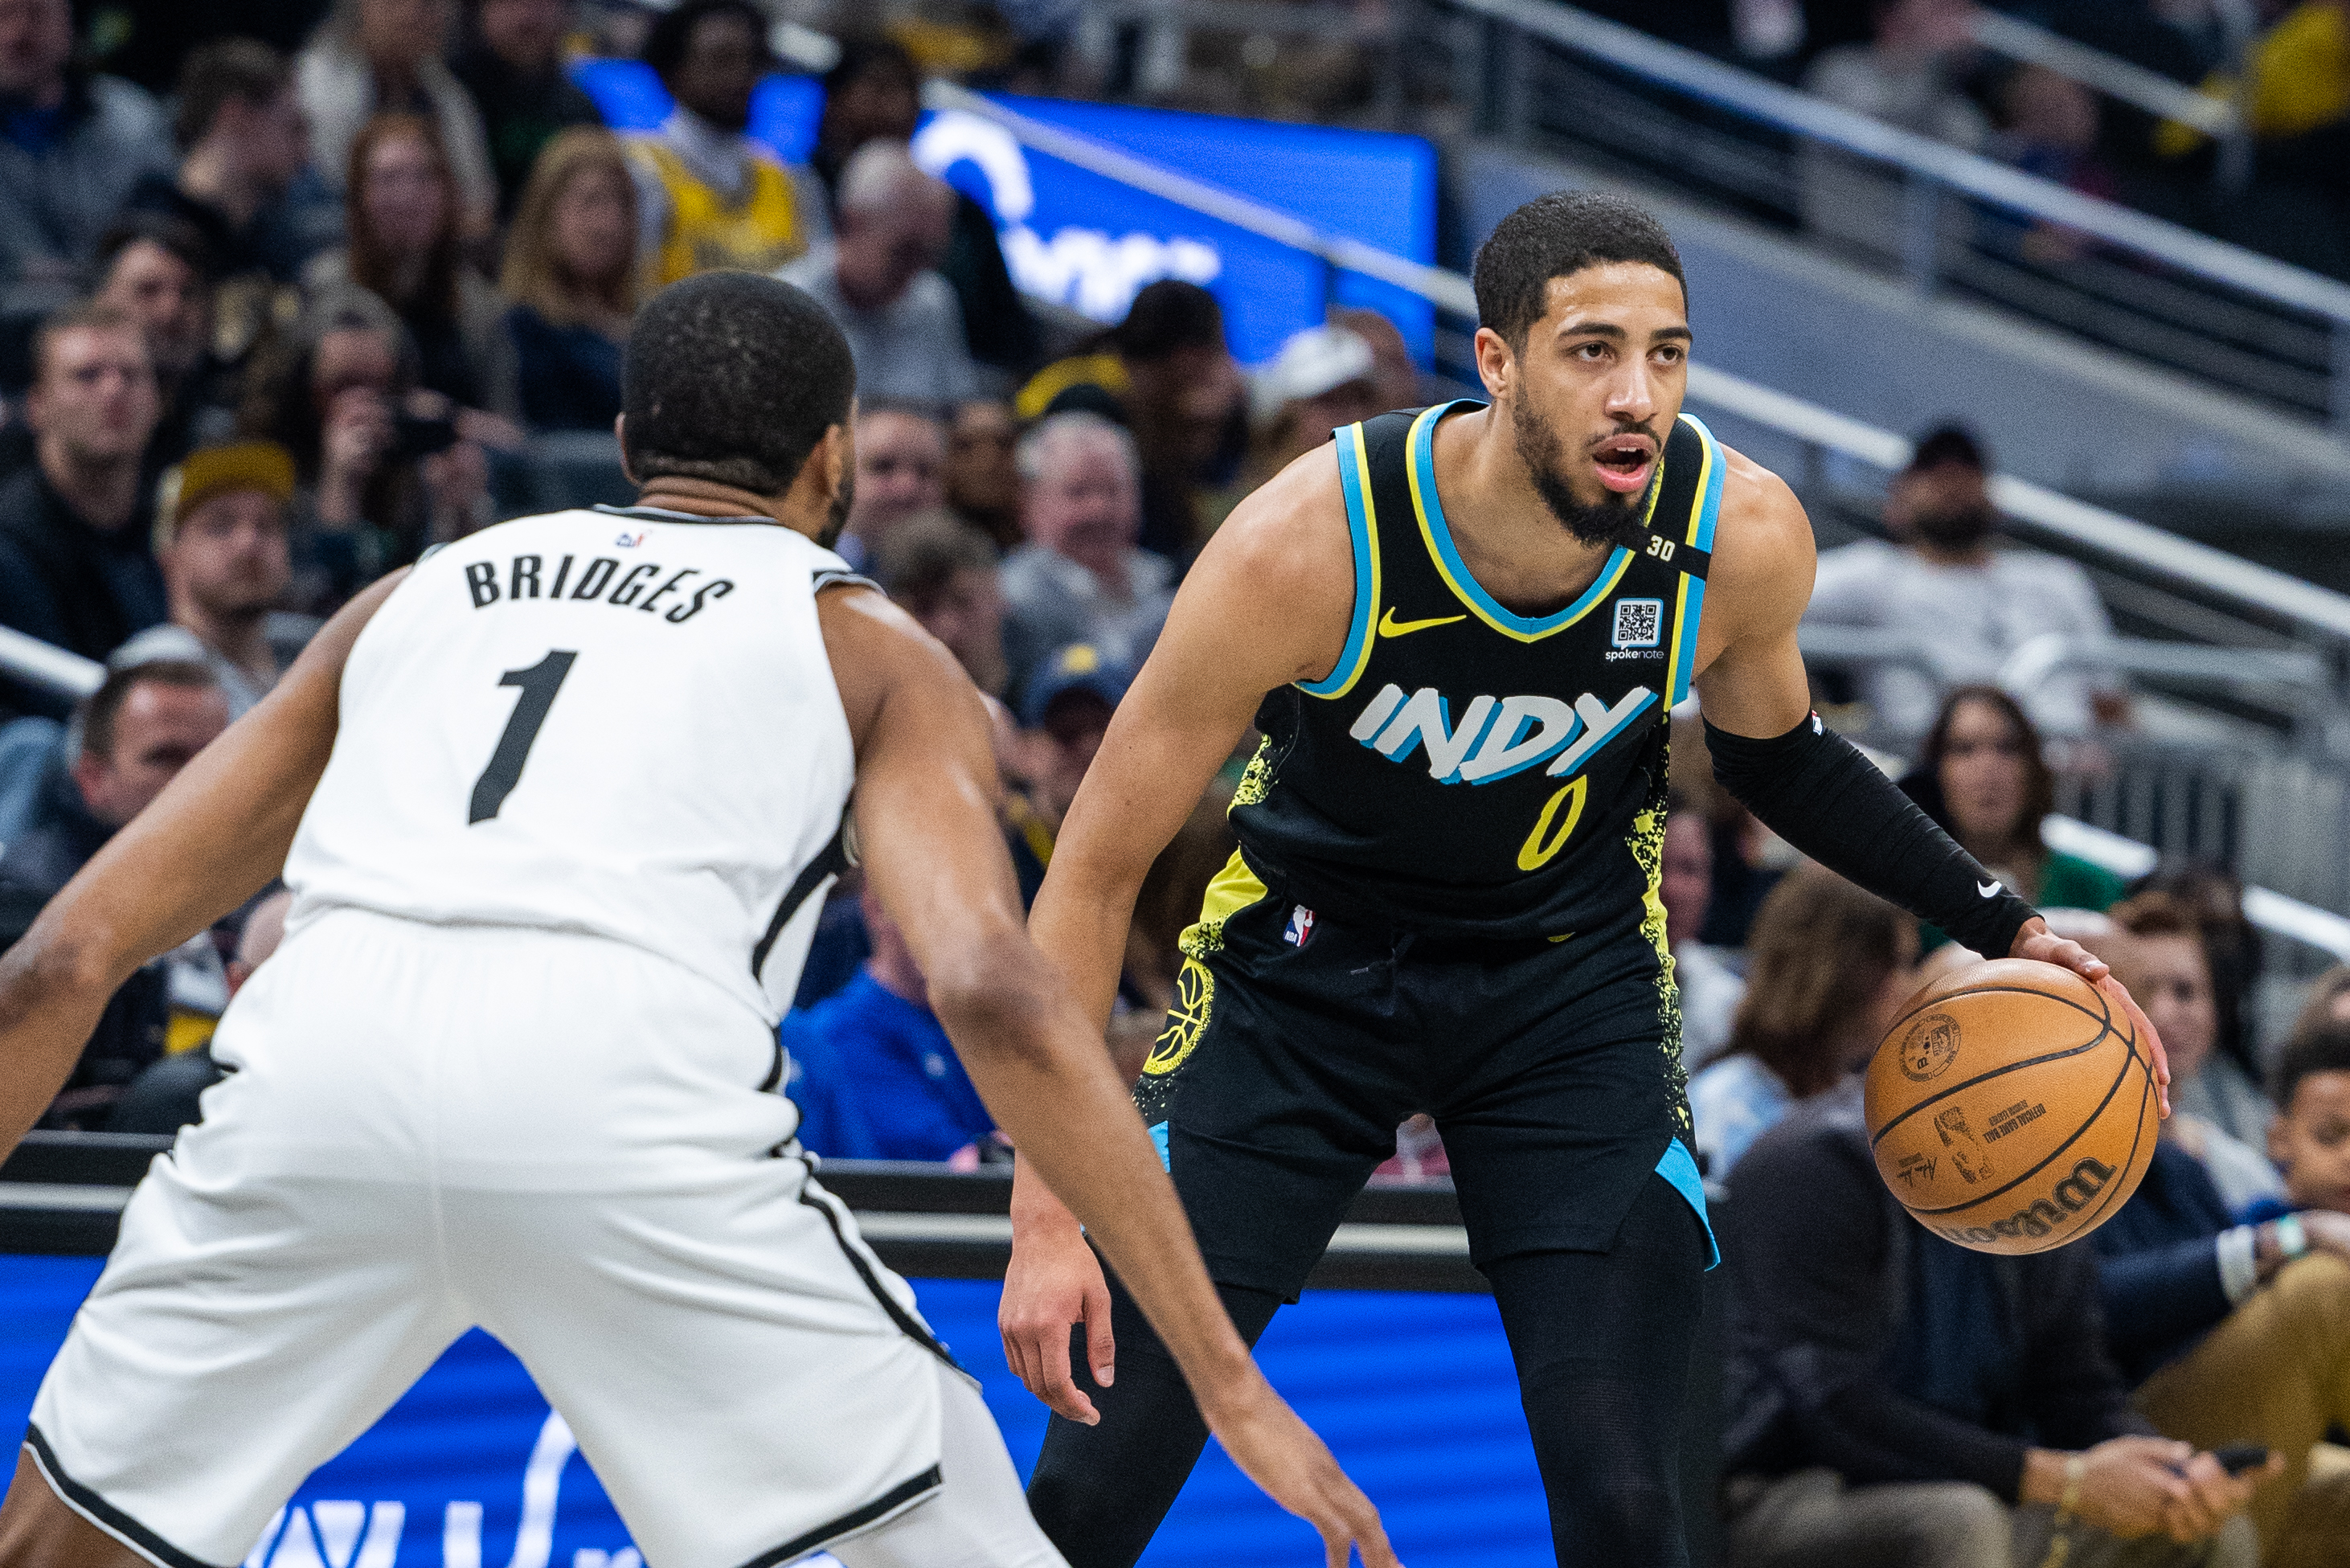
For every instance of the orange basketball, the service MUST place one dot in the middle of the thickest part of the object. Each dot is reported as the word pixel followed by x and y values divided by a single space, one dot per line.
pixel 2010 1108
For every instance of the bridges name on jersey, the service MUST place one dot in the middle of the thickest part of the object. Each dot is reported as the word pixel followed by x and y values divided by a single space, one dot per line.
pixel 1496 737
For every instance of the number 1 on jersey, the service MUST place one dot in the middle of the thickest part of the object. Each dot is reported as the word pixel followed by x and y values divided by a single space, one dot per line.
pixel 539 685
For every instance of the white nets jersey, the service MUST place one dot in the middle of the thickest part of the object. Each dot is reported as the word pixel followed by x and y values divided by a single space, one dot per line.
pixel 619 721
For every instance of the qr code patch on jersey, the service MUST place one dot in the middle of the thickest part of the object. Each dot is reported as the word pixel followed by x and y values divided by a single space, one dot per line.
pixel 1639 623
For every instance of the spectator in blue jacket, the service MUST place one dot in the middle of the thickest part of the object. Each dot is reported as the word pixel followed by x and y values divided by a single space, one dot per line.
pixel 2231 1332
pixel 872 1071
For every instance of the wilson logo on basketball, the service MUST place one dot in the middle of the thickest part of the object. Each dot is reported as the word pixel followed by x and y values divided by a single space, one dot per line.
pixel 1931 1046
pixel 2069 1198
pixel 2039 1135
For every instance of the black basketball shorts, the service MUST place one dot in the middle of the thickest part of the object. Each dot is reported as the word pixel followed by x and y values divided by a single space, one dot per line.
pixel 1300 1039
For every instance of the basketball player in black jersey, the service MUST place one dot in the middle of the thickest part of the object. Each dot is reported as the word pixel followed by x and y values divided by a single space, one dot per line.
pixel 1461 631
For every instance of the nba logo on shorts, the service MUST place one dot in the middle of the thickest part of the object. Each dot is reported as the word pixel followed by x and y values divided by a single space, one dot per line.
pixel 1639 623
pixel 1301 927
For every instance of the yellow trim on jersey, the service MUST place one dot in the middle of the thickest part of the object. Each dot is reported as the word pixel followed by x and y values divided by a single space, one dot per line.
pixel 1417 452
pixel 1673 688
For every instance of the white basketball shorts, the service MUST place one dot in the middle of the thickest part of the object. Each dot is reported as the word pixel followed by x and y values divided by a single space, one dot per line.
pixel 572 1144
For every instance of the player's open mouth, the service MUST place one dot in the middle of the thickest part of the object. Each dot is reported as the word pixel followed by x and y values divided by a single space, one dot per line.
pixel 1624 463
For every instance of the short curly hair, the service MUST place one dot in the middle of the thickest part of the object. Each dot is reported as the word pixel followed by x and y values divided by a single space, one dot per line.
pixel 733 376
pixel 1558 235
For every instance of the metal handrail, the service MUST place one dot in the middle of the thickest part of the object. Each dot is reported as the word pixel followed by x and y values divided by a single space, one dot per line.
pixel 2042 510
pixel 2108 74
pixel 2268 909
pixel 53 670
pixel 1670 64
pixel 2047 654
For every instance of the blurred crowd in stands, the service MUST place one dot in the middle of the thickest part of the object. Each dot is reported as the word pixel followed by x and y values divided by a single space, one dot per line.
pixel 1914 64
pixel 337 302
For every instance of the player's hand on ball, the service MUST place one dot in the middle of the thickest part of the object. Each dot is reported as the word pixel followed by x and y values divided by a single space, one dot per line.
pixel 1280 1452
pixel 1055 1281
pixel 2035 940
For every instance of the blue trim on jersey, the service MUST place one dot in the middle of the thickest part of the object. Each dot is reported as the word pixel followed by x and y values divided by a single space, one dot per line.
pixel 1159 1141
pixel 1456 571
pixel 1352 656
pixel 1710 508
pixel 1679 1167
pixel 1691 610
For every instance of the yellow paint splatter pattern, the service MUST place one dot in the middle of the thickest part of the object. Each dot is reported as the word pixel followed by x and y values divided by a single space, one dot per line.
pixel 1647 842
pixel 1257 780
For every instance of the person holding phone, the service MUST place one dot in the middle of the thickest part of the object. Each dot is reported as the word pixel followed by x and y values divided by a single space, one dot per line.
pixel 1895 1398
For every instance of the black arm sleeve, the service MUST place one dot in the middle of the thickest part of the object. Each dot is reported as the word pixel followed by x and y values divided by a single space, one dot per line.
pixel 1813 788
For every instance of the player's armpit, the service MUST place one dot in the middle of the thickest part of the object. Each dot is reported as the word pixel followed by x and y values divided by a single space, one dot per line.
pixel 1751 678
pixel 1268 602
pixel 217 836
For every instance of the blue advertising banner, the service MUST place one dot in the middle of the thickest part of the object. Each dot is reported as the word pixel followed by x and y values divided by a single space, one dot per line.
pixel 1086 242
pixel 1414 1393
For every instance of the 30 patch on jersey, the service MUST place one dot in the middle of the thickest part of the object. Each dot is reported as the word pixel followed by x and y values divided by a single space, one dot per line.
pixel 1639 623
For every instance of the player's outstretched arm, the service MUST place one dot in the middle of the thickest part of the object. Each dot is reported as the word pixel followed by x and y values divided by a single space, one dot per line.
pixel 1267 603
pixel 926 820
pixel 210 841
pixel 1815 789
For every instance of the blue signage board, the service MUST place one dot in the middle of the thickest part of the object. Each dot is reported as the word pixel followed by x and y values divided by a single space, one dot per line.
pixel 1414 1393
pixel 1087 242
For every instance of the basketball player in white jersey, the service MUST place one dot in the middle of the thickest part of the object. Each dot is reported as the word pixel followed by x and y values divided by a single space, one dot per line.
pixel 561 805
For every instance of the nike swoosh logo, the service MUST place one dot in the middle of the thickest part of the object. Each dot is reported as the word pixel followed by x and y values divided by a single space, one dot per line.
pixel 1987 889
pixel 1391 627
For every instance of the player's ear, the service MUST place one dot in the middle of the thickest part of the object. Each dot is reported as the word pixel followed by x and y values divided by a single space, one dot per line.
pixel 620 434
pixel 1495 362
pixel 838 452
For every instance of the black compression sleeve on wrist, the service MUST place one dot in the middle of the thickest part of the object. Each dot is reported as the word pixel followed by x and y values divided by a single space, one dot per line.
pixel 1815 789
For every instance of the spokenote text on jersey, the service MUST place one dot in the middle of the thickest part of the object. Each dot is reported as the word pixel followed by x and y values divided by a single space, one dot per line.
pixel 1497 736
pixel 642 587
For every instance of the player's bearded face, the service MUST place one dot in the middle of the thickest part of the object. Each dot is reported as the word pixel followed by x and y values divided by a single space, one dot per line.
pixel 843 499
pixel 1615 520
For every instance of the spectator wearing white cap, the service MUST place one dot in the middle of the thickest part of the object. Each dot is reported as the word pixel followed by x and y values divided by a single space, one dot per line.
pixel 221 540
pixel 1324 378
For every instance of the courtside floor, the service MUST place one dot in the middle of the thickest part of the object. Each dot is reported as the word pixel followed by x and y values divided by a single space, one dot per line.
pixel 1414 1392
